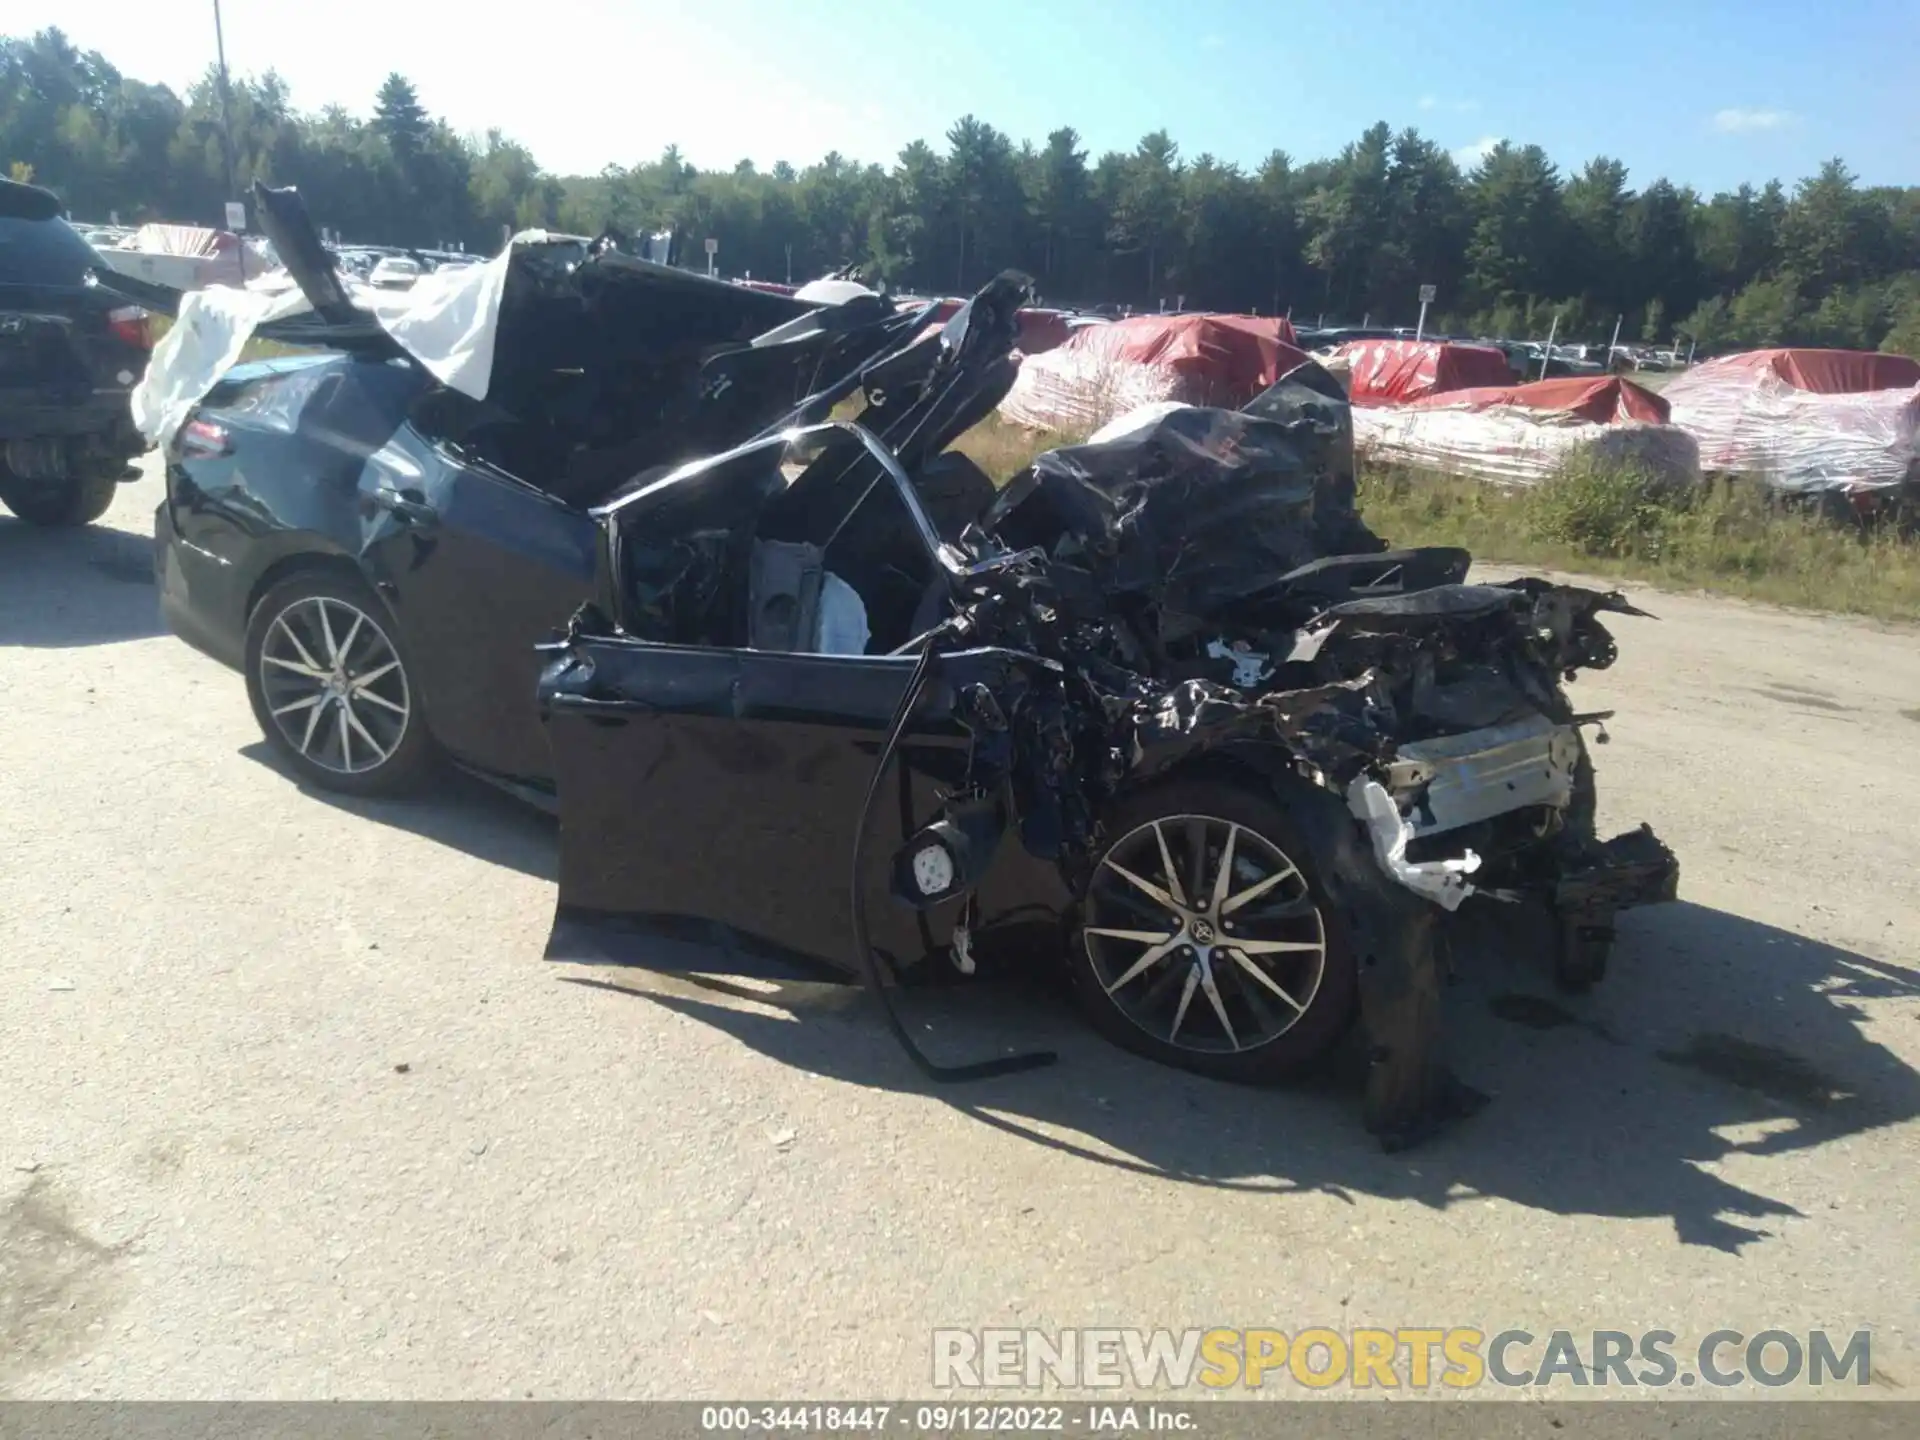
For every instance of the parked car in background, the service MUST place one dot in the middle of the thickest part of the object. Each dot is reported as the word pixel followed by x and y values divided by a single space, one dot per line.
pixel 394 272
pixel 71 350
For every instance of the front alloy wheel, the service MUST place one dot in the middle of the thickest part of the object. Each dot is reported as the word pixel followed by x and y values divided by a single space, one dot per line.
pixel 330 686
pixel 1205 942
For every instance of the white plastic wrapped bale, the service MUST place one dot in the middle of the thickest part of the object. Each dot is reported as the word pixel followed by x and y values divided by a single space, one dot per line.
pixel 1805 421
pixel 1105 371
pixel 1074 392
pixel 1521 435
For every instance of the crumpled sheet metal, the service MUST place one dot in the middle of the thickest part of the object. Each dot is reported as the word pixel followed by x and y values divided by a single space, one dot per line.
pixel 1329 727
pixel 1199 507
pixel 1442 881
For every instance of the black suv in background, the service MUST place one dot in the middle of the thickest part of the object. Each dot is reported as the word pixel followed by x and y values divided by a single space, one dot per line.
pixel 71 350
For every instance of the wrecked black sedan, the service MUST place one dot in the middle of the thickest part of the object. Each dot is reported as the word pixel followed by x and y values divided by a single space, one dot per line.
pixel 1166 707
pixel 1163 705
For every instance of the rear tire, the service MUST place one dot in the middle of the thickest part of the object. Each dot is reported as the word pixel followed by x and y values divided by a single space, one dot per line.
pixel 332 689
pixel 58 504
pixel 1274 1027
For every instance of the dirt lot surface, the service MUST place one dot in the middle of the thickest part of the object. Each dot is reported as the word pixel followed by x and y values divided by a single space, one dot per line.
pixel 293 1106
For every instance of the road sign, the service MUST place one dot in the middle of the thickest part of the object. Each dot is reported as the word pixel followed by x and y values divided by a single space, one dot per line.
pixel 236 215
pixel 713 246
pixel 1427 293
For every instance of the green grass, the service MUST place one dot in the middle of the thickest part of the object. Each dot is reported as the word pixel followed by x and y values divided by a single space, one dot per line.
pixel 1724 538
pixel 1003 450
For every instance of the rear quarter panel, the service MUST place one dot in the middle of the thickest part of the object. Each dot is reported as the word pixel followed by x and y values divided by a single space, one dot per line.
pixel 284 486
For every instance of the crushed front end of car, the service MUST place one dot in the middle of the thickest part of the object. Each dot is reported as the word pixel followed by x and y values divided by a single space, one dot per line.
pixel 1258 753
pixel 1212 598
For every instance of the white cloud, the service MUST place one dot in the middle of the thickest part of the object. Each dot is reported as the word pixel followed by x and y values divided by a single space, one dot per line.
pixel 1736 121
pixel 1457 107
pixel 1468 156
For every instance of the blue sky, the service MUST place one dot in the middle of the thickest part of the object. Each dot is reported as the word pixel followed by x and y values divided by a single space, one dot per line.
pixel 1707 92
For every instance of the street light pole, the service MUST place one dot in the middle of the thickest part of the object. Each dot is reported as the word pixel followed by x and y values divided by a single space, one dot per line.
pixel 226 112
pixel 226 134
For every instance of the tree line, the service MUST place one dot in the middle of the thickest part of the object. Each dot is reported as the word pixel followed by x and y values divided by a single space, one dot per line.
pixel 1511 243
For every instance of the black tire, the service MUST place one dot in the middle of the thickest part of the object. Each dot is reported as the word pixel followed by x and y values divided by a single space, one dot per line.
pixel 58 504
pixel 1329 1005
pixel 294 601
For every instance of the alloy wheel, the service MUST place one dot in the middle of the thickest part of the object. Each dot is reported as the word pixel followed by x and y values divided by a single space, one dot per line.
pixel 334 685
pixel 1204 934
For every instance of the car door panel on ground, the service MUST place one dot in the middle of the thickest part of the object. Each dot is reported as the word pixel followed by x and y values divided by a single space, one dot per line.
pixel 726 785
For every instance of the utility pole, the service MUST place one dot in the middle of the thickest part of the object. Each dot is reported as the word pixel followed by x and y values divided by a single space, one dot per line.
pixel 226 112
pixel 1547 358
pixel 226 141
pixel 1613 345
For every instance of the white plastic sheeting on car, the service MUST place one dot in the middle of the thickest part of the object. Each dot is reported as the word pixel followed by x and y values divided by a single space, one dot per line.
pixel 206 340
pixel 1511 446
pixel 1799 440
pixel 447 321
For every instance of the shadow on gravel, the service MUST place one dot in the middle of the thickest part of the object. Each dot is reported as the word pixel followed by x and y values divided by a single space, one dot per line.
pixel 89 586
pixel 1713 1037
pixel 458 811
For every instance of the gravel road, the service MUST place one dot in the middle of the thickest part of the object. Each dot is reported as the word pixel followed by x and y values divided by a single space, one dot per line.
pixel 293 1107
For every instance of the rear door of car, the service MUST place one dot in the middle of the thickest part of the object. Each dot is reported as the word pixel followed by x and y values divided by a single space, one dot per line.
pixel 478 565
pixel 480 568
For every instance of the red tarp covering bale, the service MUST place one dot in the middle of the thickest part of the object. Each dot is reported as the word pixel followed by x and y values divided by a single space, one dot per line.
pixel 1106 370
pixel 1521 434
pixel 1397 372
pixel 1595 400
pixel 1820 372
pixel 1805 420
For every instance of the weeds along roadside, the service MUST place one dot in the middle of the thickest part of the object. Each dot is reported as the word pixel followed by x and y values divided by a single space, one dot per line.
pixel 1614 520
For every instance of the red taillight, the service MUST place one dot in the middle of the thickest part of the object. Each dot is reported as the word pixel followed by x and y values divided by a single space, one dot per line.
pixel 129 322
pixel 202 437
